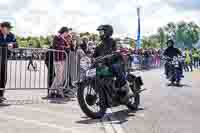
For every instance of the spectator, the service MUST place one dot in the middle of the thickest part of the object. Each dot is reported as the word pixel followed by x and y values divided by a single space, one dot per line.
pixel 188 60
pixel 49 60
pixel 7 39
pixel 84 44
pixel 85 61
pixel 30 57
pixel 195 58
pixel 60 43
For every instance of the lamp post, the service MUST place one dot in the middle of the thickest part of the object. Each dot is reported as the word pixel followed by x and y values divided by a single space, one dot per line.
pixel 138 45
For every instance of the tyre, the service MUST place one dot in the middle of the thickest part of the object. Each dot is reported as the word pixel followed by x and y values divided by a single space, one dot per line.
pixel 90 100
pixel 134 104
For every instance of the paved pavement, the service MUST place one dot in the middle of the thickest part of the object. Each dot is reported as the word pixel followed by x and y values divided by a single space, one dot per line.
pixel 163 110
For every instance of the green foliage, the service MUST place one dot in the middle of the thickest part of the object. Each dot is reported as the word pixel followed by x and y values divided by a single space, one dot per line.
pixel 186 35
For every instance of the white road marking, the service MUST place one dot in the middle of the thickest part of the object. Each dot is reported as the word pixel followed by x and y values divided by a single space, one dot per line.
pixel 111 127
pixel 38 123
pixel 140 115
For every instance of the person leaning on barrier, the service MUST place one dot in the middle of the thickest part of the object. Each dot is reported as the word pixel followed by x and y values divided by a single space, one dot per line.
pixel 60 43
pixel 7 39
pixel 71 43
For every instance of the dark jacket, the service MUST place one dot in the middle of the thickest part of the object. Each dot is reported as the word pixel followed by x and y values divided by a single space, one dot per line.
pixel 106 47
pixel 59 44
pixel 172 52
pixel 10 38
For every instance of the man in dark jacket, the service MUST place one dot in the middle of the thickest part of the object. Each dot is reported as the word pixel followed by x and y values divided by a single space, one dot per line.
pixel 171 52
pixel 107 47
pixel 7 39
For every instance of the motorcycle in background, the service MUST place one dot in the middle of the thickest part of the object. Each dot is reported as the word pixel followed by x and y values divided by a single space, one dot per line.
pixel 174 73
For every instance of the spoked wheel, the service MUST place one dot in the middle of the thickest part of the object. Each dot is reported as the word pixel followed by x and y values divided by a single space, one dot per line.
pixel 134 101
pixel 92 102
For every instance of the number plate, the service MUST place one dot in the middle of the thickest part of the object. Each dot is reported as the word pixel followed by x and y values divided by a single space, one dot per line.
pixel 91 73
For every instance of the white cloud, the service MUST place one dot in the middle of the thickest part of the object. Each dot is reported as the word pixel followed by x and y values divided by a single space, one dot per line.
pixel 40 17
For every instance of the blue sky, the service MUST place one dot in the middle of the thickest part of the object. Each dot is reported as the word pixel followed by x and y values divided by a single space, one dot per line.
pixel 41 17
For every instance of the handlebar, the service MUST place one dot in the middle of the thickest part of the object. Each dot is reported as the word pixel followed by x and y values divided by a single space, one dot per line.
pixel 102 58
pixel 169 58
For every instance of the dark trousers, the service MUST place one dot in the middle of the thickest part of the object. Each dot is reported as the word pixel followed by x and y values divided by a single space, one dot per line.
pixel 119 72
pixel 168 67
pixel 3 68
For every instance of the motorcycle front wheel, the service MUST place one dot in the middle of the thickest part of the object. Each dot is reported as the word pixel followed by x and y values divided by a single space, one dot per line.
pixel 88 97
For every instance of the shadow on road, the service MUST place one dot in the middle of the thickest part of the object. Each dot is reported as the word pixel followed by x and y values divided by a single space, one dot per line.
pixel 34 101
pixel 180 86
pixel 4 105
pixel 88 121
pixel 118 117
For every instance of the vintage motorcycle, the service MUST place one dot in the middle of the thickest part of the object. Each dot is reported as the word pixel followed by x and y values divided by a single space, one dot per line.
pixel 97 91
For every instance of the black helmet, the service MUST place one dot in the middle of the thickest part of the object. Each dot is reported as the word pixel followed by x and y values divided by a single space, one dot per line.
pixel 108 30
pixel 170 42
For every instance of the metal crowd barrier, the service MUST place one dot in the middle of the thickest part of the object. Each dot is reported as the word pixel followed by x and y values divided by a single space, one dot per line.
pixel 14 72
pixel 139 62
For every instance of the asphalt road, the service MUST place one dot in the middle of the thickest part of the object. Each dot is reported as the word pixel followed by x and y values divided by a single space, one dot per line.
pixel 163 110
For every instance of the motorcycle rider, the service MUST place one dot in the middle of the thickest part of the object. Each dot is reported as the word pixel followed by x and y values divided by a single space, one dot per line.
pixel 108 46
pixel 171 52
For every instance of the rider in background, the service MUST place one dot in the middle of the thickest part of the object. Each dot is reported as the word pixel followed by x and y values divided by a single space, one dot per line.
pixel 171 52
pixel 108 46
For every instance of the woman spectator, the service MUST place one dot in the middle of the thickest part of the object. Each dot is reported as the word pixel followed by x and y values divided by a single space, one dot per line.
pixel 60 43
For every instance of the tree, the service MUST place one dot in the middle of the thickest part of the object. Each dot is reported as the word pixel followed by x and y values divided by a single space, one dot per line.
pixel 84 34
pixel 187 34
pixel 170 30
pixel 161 37
pixel 38 45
